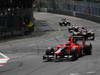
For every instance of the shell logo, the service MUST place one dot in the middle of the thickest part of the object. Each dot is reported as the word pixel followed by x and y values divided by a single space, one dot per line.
pixel 3 59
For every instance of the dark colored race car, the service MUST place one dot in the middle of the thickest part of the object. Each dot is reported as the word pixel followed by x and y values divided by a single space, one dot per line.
pixel 91 35
pixel 73 28
pixel 87 34
pixel 72 50
pixel 64 22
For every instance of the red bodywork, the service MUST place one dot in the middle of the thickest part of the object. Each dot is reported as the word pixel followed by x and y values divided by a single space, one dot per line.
pixel 69 46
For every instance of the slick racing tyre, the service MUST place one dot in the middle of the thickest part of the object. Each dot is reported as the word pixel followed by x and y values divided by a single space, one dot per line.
pixel 65 24
pixel 74 55
pixel 70 30
pixel 88 49
pixel 93 37
pixel 44 57
pixel 81 52
pixel 60 24
pixel 68 24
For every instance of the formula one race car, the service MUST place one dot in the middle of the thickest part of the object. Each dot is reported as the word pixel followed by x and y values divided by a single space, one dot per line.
pixel 87 34
pixel 64 22
pixel 73 28
pixel 71 51
pixel 91 35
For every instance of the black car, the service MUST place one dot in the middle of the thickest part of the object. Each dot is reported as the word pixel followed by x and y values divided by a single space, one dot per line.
pixel 88 35
pixel 64 22
pixel 73 28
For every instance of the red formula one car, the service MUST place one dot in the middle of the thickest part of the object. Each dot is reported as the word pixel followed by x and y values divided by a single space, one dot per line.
pixel 72 50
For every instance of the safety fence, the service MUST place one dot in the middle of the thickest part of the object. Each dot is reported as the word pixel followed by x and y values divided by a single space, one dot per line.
pixel 71 7
pixel 15 20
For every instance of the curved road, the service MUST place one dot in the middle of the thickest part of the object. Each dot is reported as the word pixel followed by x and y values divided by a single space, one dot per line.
pixel 26 54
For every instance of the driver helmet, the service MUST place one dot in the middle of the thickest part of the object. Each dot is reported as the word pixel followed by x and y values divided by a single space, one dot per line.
pixel 82 27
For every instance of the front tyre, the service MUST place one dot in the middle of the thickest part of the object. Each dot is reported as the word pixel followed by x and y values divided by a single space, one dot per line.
pixel 74 55
pixel 70 30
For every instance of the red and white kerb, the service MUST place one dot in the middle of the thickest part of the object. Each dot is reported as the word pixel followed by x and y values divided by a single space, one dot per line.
pixel 3 59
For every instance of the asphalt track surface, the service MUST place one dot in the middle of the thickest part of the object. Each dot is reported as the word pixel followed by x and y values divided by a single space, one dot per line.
pixel 26 53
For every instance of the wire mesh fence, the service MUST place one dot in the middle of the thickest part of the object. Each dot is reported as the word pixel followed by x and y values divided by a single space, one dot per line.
pixel 82 6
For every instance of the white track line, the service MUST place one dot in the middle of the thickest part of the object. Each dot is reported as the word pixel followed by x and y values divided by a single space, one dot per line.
pixel 91 72
pixel 75 74
pixel 4 55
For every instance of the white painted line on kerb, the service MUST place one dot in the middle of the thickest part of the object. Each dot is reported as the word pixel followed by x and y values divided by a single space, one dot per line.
pixel 4 55
pixel 3 59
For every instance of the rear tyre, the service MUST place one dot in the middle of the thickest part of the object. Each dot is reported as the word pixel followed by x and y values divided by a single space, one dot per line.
pixel 65 24
pixel 88 49
pixel 81 53
pixel 60 24
pixel 93 37
pixel 44 57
